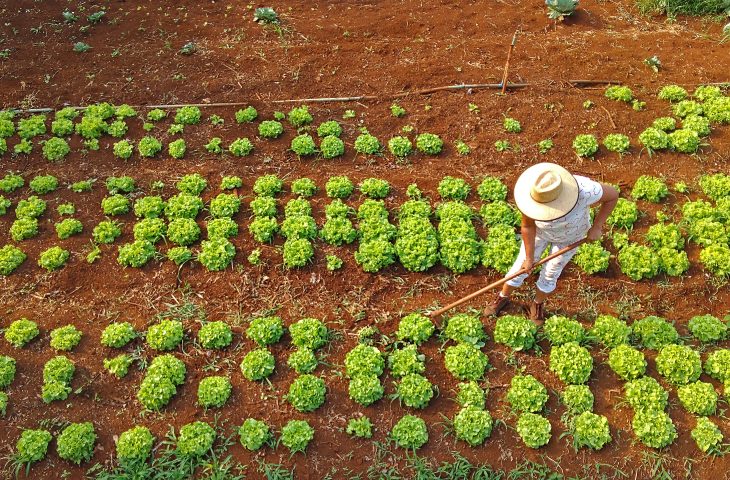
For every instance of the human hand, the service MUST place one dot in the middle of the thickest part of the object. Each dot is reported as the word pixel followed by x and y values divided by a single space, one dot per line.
pixel 527 264
pixel 595 233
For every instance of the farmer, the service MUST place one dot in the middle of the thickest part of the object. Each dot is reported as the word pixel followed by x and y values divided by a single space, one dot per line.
pixel 555 208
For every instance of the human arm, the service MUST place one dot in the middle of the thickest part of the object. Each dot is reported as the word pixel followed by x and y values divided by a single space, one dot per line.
pixel 607 204
pixel 528 231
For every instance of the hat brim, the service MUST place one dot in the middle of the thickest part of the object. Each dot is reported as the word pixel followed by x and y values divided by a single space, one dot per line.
pixel 545 212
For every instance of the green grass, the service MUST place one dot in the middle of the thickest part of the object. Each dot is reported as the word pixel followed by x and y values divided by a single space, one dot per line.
pixel 682 7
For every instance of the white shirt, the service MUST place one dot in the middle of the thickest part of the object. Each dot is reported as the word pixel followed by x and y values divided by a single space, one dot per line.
pixel 573 226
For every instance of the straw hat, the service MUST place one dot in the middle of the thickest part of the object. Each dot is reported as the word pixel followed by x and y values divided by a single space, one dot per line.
pixel 546 192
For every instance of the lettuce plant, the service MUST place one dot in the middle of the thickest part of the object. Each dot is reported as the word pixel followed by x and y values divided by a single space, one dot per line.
pixel 31 207
pixel 298 252
pixel 708 328
pixel 638 262
pixel 365 389
pixel 499 212
pixel 215 335
pixel 473 425
pixel 258 364
pixel 501 248
pixel 265 330
pixel 188 115
pixel 215 145
pixel 177 148
pixel 684 140
pixel 717 365
pixel 148 147
pixel 7 371
pixel 231 183
pixel 32 126
pixel 149 207
pixel 663 235
pixel 331 147
pixel 471 394
pixel 672 93
pixel 213 392
pixel 517 332
pixel 402 361
pixel 76 442
pixel 65 338
pixel 679 364
pixel 526 394
pixel 684 108
pixel 106 232
pixel 24 229
pixel 364 359
pixel 428 143
pixel 572 363
pixel 451 188
pixel 535 430
pixel 415 328
pixel 268 186
pixel 654 332
pixel 299 116
pixel 216 254
pixel 53 258
pixel 135 445
pixel 195 439
pixel 465 361
pixel 115 205
pixel 672 262
pixel 11 257
pixel 270 129
pixel 166 335
pixel 183 231
pixel 296 435
pixel 31 447
pixel 360 427
pixel 304 187
pixel 645 393
pixel 654 428
pixel 619 93
pixel 263 229
pixel 716 260
pixel 695 123
pixel 617 142
pixel 698 397
pixel 410 432
pixel 303 145
pixel 707 436
pixel 666 124
pixel 117 335
pixel 246 115
pixel 302 360
pixel 339 187
pixel 654 139
pixel 585 145
pixel 577 399
pixel 68 227
pixel 627 362
pixel 649 188
pixel 491 189
pixel 400 146
pixel 374 188
pixel 42 184
pixel 591 431
pixel 119 365
pixel 592 258
pixel 368 144
pixel 560 330
pixel 254 434
pixel 465 328
pixel 123 149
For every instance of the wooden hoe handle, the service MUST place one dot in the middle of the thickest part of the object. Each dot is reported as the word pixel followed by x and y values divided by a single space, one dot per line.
pixel 504 280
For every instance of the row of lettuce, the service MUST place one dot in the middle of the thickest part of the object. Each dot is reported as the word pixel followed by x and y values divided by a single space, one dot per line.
pixel 414 241
pixel 105 119
pixel 678 364
pixel 697 112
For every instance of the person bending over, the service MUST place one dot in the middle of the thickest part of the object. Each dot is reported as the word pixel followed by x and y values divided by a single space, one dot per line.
pixel 555 208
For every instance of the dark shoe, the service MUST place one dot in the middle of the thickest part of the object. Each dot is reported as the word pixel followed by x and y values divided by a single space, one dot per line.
pixel 537 313
pixel 497 305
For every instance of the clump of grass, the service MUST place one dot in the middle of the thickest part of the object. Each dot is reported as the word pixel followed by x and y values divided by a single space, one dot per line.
pixel 681 7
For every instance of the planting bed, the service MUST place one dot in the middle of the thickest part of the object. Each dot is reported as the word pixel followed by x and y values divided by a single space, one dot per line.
pixel 344 49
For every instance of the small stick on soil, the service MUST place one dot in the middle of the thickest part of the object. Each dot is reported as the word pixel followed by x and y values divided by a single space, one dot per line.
pixel 613 124
pixel 506 65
